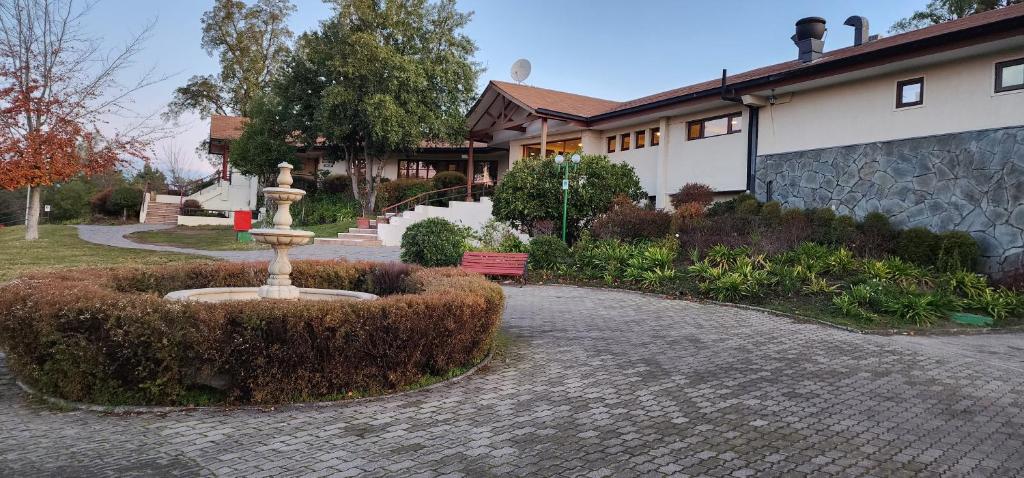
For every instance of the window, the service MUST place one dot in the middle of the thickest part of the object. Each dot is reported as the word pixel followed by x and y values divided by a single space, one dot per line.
pixel 611 144
pixel 416 169
pixel 624 141
pixel 641 139
pixel 1010 75
pixel 655 136
pixel 553 147
pixel 910 92
pixel 714 126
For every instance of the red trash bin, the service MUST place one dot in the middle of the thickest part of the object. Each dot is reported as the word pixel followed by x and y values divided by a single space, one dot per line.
pixel 243 221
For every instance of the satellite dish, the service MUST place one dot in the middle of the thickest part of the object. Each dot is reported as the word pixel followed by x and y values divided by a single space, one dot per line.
pixel 521 70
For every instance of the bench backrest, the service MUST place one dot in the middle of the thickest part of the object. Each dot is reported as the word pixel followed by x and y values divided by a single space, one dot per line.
pixel 495 263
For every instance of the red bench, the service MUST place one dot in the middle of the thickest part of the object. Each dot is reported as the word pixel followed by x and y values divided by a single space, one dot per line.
pixel 496 263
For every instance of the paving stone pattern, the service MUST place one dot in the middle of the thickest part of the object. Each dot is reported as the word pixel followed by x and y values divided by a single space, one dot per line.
pixel 595 383
pixel 971 181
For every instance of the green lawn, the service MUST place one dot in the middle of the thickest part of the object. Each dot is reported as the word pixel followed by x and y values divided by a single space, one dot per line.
pixel 221 238
pixel 60 247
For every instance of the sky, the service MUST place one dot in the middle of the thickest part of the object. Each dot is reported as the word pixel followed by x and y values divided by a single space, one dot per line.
pixel 608 49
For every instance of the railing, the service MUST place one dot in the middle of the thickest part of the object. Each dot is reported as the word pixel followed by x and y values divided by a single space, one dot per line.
pixel 195 185
pixel 439 196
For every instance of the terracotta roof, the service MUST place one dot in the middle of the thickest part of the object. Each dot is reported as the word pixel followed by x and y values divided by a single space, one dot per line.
pixel 226 127
pixel 543 98
pixel 586 106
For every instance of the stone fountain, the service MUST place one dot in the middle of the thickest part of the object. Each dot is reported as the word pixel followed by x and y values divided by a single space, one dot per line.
pixel 281 237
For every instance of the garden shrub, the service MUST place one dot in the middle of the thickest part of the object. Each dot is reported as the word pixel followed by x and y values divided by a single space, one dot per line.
pixel 124 200
pixel 529 196
pixel 107 336
pixel 547 253
pixel 685 214
pixel 496 236
pixel 434 242
pixel 449 179
pixel 957 251
pixel 693 193
pixel 390 278
pixel 629 222
pixel 749 207
pixel 721 208
pixel 324 208
pixel 98 202
pixel 394 192
pixel 917 245
pixel 191 207
pixel 771 211
pixel 339 185
pixel 70 200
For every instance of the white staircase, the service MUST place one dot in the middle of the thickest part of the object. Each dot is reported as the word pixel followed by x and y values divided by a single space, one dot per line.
pixel 388 230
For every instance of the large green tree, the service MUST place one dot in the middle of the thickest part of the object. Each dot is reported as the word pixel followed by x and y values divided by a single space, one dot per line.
pixel 940 11
pixel 250 41
pixel 530 195
pixel 374 81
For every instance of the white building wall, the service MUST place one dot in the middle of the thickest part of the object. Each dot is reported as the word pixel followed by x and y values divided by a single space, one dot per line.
pixel 718 161
pixel 643 160
pixel 470 214
pixel 958 96
pixel 238 194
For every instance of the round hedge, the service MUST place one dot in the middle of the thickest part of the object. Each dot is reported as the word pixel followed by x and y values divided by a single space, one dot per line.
pixel 107 335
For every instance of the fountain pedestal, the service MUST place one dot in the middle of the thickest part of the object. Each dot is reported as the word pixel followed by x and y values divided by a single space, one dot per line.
pixel 281 237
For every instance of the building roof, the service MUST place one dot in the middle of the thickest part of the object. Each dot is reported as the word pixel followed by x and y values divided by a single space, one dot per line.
pixel 227 127
pixel 596 108
pixel 542 98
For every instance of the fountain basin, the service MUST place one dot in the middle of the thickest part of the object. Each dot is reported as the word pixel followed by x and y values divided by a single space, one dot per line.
pixel 225 294
pixel 282 237
pixel 284 194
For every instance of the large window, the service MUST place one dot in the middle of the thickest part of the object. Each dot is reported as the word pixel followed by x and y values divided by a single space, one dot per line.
pixel 611 144
pixel 910 93
pixel 417 169
pixel 624 141
pixel 1010 75
pixel 714 126
pixel 655 136
pixel 553 147
pixel 641 139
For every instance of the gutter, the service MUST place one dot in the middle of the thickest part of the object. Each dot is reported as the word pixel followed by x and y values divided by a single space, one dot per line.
pixel 728 94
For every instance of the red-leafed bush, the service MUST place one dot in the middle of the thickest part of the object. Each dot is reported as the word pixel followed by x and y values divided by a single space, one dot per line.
pixel 628 222
pixel 108 336
pixel 693 192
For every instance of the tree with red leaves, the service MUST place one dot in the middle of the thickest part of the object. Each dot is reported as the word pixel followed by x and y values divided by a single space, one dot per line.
pixel 57 87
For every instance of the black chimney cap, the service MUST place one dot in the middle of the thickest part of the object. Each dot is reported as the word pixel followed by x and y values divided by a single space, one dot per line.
pixel 810 20
pixel 810 27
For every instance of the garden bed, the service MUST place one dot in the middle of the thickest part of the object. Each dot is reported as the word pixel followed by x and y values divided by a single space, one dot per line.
pixel 107 336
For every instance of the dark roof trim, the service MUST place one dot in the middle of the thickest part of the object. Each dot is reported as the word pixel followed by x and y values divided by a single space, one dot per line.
pixel 948 41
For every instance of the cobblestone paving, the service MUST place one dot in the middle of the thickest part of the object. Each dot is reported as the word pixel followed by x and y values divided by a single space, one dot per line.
pixel 114 236
pixel 596 383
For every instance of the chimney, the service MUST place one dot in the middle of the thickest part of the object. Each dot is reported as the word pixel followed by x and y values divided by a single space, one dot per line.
pixel 860 29
pixel 808 38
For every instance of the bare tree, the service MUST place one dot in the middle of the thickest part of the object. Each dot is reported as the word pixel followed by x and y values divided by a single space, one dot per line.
pixel 176 163
pixel 57 86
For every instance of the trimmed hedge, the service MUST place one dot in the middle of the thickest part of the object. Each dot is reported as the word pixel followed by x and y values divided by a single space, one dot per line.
pixel 434 242
pixel 108 336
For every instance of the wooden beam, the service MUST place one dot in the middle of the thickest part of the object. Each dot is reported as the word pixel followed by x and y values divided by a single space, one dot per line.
pixel 469 172
pixel 543 137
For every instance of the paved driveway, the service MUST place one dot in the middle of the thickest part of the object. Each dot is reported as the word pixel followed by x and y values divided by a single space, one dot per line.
pixel 598 383
pixel 114 236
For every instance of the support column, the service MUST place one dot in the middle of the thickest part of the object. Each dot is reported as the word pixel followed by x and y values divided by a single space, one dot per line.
pixel 661 170
pixel 469 172
pixel 224 164
pixel 543 137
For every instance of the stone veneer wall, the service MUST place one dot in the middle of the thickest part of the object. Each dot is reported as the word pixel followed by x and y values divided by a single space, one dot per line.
pixel 971 181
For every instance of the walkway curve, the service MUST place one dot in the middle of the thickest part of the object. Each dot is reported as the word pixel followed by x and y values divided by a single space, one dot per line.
pixel 114 236
pixel 599 383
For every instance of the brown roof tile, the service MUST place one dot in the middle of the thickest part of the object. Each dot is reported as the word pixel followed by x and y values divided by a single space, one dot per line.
pixel 543 98
pixel 226 127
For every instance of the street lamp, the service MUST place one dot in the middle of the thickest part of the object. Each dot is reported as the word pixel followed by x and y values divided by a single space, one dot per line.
pixel 561 163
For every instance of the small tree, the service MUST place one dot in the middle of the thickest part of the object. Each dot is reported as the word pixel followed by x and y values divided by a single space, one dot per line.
pixel 56 85
pixel 531 192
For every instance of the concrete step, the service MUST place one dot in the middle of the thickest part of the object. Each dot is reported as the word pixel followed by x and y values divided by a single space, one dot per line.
pixel 356 230
pixel 357 236
pixel 347 242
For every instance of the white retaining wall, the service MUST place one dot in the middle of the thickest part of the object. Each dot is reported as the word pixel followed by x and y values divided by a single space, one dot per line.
pixel 470 214
pixel 205 221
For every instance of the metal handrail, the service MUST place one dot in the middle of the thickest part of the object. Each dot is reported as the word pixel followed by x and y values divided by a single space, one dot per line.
pixel 425 198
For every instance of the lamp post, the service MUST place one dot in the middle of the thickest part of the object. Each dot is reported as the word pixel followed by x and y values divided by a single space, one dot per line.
pixel 561 163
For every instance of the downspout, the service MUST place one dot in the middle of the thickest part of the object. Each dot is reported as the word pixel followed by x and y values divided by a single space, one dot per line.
pixel 728 94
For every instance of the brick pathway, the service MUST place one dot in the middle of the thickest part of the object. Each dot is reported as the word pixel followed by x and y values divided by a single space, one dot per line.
pixel 599 383
pixel 114 236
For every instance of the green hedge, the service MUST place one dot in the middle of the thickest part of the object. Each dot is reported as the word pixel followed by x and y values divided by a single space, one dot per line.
pixel 108 336
pixel 434 242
